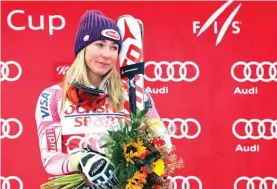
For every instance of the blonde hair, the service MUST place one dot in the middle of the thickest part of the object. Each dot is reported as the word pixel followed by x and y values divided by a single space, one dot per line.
pixel 78 73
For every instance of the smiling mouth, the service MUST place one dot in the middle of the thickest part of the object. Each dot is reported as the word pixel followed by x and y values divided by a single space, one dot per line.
pixel 103 63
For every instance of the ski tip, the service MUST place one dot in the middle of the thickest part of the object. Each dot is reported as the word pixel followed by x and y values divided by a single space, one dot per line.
pixel 139 21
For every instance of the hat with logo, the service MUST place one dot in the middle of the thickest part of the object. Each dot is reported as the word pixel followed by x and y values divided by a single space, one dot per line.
pixel 94 26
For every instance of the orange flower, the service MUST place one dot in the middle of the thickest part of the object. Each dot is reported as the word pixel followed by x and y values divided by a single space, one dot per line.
pixel 143 155
pixel 140 149
pixel 145 171
pixel 140 177
pixel 137 181
pixel 129 156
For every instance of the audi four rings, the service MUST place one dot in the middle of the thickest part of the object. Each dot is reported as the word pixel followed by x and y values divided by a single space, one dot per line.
pixel 259 69
pixel 6 128
pixel 6 182
pixel 186 182
pixel 184 127
pixel 5 71
pixel 256 182
pixel 248 125
pixel 168 74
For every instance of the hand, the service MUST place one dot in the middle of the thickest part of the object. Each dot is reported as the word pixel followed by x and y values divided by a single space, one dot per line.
pixel 99 170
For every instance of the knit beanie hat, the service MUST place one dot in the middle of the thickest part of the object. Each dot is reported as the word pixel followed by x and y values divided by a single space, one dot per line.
pixel 94 26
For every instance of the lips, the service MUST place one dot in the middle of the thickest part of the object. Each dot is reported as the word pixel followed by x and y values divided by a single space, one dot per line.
pixel 103 64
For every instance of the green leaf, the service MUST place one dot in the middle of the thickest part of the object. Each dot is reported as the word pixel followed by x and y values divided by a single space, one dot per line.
pixel 138 162
pixel 151 148
pixel 148 167
pixel 125 129
pixel 152 157
pixel 144 112
pixel 121 124
pixel 132 116
pixel 138 114
pixel 117 155
pixel 141 113
pixel 121 175
pixel 106 145
pixel 131 171
pixel 116 136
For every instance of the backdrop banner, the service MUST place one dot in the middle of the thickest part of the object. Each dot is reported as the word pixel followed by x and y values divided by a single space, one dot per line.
pixel 211 68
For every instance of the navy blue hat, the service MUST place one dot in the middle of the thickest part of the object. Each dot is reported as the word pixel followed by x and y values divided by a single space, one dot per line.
pixel 94 26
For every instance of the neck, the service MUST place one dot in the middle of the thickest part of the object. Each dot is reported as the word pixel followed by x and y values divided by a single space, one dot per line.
pixel 95 80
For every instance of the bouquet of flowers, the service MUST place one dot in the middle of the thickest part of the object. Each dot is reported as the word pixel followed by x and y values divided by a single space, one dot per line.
pixel 139 153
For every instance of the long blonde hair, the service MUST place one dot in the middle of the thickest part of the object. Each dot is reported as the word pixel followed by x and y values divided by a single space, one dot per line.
pixel 78 73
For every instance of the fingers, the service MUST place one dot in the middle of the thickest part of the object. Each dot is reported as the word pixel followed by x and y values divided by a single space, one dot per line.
pixel 99 170
pixel 107 182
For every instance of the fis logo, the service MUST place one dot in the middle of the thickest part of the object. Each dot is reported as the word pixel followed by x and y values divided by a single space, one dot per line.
pixel 211 22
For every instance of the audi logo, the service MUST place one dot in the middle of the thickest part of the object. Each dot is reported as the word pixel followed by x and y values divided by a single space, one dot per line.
pixel 187 182
pixel 260 71
pixel 5 70
pixel 248 131
pixel 6 182
pixel 256 183
pixel 6 128
pixel 168 74
pixel 184 127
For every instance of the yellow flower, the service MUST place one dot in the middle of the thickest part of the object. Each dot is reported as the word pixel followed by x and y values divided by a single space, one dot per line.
pixel 131 186
pixel 157 126
pixel 129 156
pixel 158 167
pixel 138 144
pixel 137 181
pixel 140 148
pixel 140 151
pixel 155 123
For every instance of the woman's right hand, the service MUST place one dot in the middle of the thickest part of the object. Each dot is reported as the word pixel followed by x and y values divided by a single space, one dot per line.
pixel 98 170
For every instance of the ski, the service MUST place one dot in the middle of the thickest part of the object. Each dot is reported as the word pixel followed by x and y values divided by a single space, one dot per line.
pixel 131 61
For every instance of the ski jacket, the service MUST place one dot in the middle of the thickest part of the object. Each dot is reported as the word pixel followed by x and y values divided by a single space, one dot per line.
pixel 59 134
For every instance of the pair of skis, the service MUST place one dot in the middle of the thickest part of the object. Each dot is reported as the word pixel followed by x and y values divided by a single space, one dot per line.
pixel 132 61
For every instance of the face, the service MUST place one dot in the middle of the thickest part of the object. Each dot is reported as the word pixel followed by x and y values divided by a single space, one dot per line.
pixel 100 57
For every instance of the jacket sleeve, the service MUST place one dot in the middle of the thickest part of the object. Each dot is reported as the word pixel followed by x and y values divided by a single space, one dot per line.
pixel 49 132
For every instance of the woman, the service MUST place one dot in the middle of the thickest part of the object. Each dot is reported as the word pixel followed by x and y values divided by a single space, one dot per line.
pixel 88 103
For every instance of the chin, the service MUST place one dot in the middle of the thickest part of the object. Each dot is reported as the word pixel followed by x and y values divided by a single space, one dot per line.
pixel 103 73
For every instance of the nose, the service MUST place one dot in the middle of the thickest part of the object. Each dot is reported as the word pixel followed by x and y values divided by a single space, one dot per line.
pixel 106 52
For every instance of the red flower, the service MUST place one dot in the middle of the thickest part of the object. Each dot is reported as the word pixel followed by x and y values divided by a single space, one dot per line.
pixel 145 171
pixel 158 141
pixel 155 186
pixel 142 156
